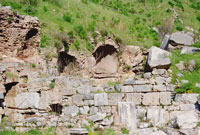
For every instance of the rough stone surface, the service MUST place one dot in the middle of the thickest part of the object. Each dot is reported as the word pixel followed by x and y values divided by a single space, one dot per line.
pixel 127 89
pixel 142 88
pixel 97 117
pixel 127 114
pixel 187 120
pixel 180 38
pixel 158 133
pixel 165 98
pixel 158 58
pixel 100 99
pixel 24 35
pixel 150 99
pixel 134 97
pixel 71 111
pixel 27 100
pixel 165 42
pixel 181 65
pixel 186 98
pixel 189 50
pixel 158 117
pixel 159 87
pixel 114 98
pixel 78 100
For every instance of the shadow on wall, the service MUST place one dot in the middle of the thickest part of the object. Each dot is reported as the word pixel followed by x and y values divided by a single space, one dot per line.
pixel 103 51
pixel 64 60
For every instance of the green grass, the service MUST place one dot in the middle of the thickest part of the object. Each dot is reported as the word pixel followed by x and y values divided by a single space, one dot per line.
pixel 130 21
pixel 9 74
pixel 193 77
pixel 110 83
pixel 31 132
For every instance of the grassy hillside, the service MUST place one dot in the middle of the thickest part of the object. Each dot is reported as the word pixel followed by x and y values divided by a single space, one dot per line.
pixel 130 21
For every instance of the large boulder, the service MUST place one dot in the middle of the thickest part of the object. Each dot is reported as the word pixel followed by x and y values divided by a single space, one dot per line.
pixel 180 38
pixel 158 58
pixel 187 120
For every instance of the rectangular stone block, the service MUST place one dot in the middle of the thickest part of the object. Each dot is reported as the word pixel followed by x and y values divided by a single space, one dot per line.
pixel 127 114
pixel 114 98
pixel 158 117
pixel 165 42
pixel 101 99
pixel 142 88
pixel 151 99
pixel 127 89
pixel 78 100
pixel 159 87
pixel 134 97
pixel 165 98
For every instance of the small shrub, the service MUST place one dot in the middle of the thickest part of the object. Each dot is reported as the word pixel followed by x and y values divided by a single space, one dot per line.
pixel 77 44
pixel 34 132
pixel 61 28
pixel 51 85
pixel 55 2
pixel 198 18
pixel 91 26
pixel 81 31
pixel 89 47
pixel 171 4
pixel 69 126
pixel 113 83
pixel 67 17
pixel 44 41
pixel 127 68
pixel 198 124
pixel 33 65
pixel 71 34
pixel 124 131
pixel 180 28
pixel 14 5
pixel 85 1
pixel 10 19
pixel 118 40
pixel 108 131
pixel 31 10
pixel 31 2
pixel 104 33
pixel 197 44
pixel 45 9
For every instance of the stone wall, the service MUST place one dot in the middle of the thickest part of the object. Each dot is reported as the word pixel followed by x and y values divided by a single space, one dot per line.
pixel 141 104
pixel 19 35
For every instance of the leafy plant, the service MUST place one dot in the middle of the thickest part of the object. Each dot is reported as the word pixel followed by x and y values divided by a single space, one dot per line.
pixel 67 17
pixel 51 85
pixel 81 31
pixel 33 65
pixel 77 44
pixel 124 131
pixel 197 44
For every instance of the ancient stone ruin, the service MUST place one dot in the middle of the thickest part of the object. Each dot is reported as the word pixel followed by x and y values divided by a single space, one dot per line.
pixel 31 97
pixel 19 35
